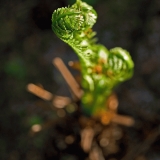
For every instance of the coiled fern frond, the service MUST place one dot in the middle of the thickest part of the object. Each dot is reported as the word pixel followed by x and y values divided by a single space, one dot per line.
pixel 101 69
pixel 68 20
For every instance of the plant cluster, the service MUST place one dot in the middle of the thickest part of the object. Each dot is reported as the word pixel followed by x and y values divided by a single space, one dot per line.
pixel 101 69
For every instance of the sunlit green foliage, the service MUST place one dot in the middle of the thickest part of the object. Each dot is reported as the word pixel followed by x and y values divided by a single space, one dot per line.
pixel 101 69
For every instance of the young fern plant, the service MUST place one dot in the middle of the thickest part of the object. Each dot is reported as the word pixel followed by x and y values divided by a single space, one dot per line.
pixel 101 69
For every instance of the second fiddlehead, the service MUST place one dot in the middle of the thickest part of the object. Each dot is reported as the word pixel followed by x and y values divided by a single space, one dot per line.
pixel 101 69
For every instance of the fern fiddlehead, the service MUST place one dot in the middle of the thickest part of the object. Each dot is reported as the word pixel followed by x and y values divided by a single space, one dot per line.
pixel 101 69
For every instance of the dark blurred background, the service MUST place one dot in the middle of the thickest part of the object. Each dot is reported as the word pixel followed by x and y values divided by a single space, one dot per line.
pixel 27 47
